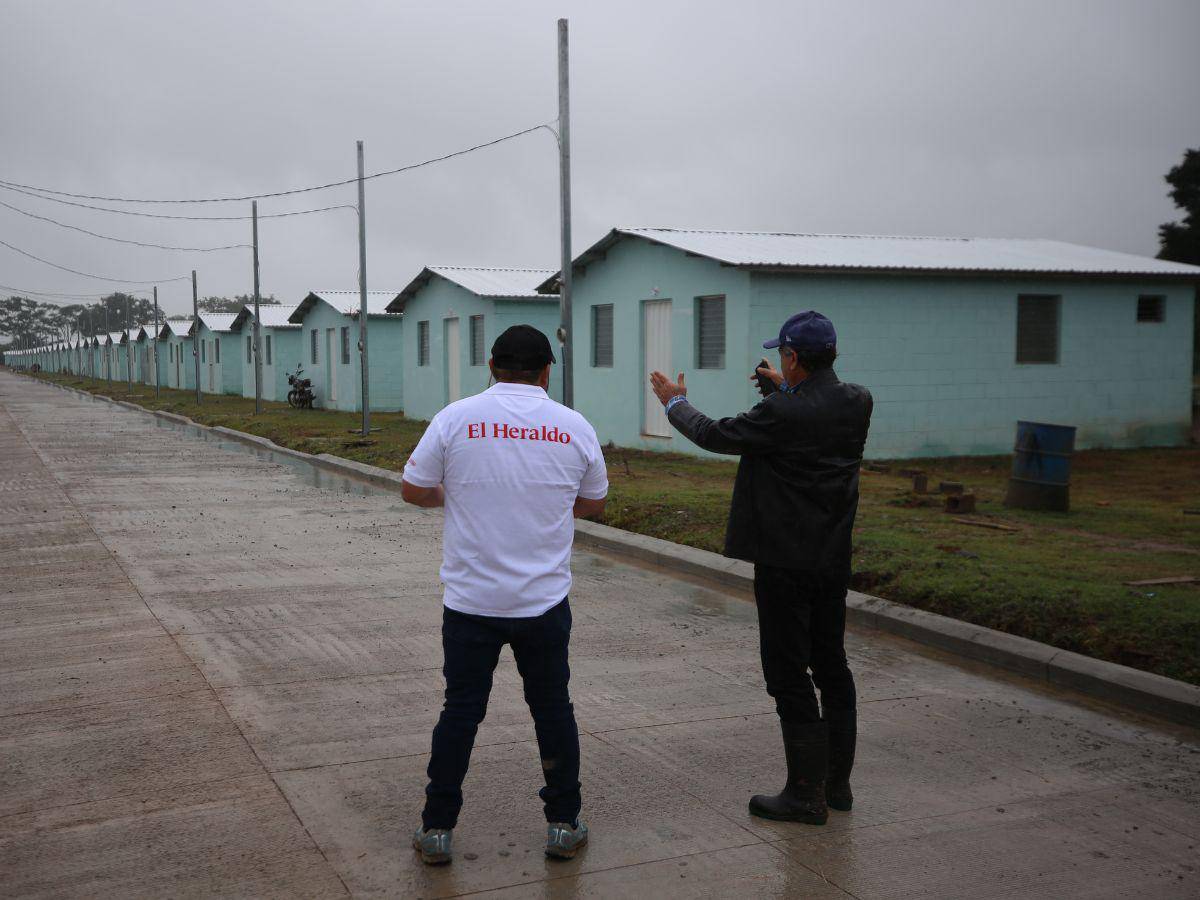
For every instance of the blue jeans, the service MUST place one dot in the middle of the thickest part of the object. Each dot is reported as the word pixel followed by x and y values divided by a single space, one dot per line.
pixel 472 648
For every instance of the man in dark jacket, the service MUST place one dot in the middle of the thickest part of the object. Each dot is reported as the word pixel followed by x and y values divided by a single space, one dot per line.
pixel 794 502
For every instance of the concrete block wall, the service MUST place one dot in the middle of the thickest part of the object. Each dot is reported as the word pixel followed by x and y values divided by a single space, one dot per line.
pixel 633 271
pixel 384 339
pixel 939 356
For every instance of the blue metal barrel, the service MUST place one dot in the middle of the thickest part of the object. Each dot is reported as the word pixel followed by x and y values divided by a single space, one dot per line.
pixel 1041 474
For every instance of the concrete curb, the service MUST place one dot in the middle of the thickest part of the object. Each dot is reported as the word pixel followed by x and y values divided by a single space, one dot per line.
pixel 1142 692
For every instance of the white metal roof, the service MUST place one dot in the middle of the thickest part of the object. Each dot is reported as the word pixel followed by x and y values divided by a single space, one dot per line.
pixel 179 328
pixel 272 315
pixel 217 321
pixel 345 302
pixel 514 284
pixel 856 252
pixel 495 282
pixel 114 337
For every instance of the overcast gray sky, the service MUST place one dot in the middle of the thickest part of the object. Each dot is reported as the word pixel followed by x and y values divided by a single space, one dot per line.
pixel 1003 119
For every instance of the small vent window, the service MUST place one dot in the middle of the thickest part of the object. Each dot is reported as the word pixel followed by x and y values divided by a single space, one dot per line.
pixel 1151 308
pixel 602 336
pixel 312 346
pixel 477 340
pixel 345 346
pixel 217 351
pixel 710 332
pixel 1037 328
pixel 249 349
pixel 267 341
pixel 423 343
pixel 203 353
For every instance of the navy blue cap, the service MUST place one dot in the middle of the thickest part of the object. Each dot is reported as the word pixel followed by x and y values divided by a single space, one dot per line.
pixel 805 331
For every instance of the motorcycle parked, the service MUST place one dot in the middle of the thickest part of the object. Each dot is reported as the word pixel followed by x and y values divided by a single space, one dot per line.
pixel 301 394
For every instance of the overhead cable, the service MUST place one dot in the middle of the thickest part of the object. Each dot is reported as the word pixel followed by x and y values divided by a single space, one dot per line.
pixel 147 215
pixel 22 292
pixel 90 275
pixel 317 187
pixel 118 240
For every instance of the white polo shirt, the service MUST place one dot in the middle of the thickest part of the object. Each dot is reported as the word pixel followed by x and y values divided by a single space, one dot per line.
pixel 511 462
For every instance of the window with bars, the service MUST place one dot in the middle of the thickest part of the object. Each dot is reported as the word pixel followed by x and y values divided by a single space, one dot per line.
pixel 710 332
pixel 345 346
pixel 267 342
pixel 202 353
pixel 1151 308
pixel 249 349
pixel 312 347
pixel 1037 328
pixel 602 336
pixel 423 343
pixel 217 351
pixel 477 352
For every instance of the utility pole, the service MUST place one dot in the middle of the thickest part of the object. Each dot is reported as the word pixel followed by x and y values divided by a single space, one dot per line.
pixel 257 357
pixel 107 346
pixel 196 334
pixel 157 386
pixel 362 298
pixel 128 344
pixel 564 195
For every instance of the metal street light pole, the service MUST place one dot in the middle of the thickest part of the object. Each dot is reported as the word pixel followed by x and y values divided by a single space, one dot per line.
pixel 362 298
pixel 157 386
pixel 128 344
pixel 196 334
pixel 257 356
pixel 564 193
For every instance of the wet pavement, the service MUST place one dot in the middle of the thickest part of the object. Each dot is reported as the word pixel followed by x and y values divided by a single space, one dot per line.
pixel 219 670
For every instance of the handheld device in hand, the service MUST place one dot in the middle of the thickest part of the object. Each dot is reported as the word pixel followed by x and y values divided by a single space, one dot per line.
pixel 765 384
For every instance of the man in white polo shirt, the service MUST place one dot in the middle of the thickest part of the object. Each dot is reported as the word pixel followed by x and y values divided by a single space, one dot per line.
pixel 512 468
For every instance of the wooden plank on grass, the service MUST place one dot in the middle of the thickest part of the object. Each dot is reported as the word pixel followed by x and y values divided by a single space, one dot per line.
pixel 1174 579
pixel 983 523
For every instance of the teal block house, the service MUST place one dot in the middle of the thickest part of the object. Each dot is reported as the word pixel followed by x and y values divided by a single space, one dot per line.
pixel 452 316
pixel 112 366
pixel 145 346
pixel 957 338
pixel 175 354
pixel 329 353
pixel 280 348
pixel 220 368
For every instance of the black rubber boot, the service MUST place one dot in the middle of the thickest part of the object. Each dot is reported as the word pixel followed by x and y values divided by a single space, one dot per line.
pixel 842 740
pixel 802 799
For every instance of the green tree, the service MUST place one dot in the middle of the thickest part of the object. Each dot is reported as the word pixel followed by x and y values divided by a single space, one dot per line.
pixel 1180 241
pixel 226 305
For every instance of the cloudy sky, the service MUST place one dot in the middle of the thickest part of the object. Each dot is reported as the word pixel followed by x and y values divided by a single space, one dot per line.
pixel 1008 118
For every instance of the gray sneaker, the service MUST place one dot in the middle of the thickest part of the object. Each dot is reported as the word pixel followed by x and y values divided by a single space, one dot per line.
pixel 563 841
pixel 433 845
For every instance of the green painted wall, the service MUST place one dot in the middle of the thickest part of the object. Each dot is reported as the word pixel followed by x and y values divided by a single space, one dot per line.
pixel 938 353
pixel 220 370
pixel 427 387
pixel 635 271
pixel 385 348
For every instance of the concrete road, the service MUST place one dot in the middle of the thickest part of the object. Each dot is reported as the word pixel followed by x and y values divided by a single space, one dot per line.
pixel 219 672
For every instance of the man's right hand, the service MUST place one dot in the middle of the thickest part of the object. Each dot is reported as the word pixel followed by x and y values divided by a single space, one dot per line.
pixel 769 372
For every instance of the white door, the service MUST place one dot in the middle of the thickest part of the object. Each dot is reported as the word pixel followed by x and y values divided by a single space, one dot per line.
pixel 453 362
pixel 331 363
pixel 212 378
pixel 656 354
pixel 178 364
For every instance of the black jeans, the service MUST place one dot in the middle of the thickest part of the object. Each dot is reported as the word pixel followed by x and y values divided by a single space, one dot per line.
pixel 472 649
pixel 802 626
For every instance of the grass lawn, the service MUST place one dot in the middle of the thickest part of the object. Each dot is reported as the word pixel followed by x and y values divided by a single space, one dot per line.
pixel 1058 577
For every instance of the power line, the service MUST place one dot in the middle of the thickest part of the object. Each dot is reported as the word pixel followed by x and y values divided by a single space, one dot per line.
pixel 118 240
pixel 318 187
pixel 22 292
pixel 146 215
pixel 89 274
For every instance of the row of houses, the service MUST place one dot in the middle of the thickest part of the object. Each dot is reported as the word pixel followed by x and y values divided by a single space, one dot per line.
pixel 958 338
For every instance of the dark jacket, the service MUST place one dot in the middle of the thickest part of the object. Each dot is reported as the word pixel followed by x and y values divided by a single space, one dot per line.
pixel 796 491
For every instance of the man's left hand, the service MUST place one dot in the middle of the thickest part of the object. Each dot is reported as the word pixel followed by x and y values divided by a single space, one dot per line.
pixel 664 388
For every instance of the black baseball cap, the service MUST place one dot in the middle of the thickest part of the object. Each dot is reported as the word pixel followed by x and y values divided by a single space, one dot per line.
pixel 522 348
